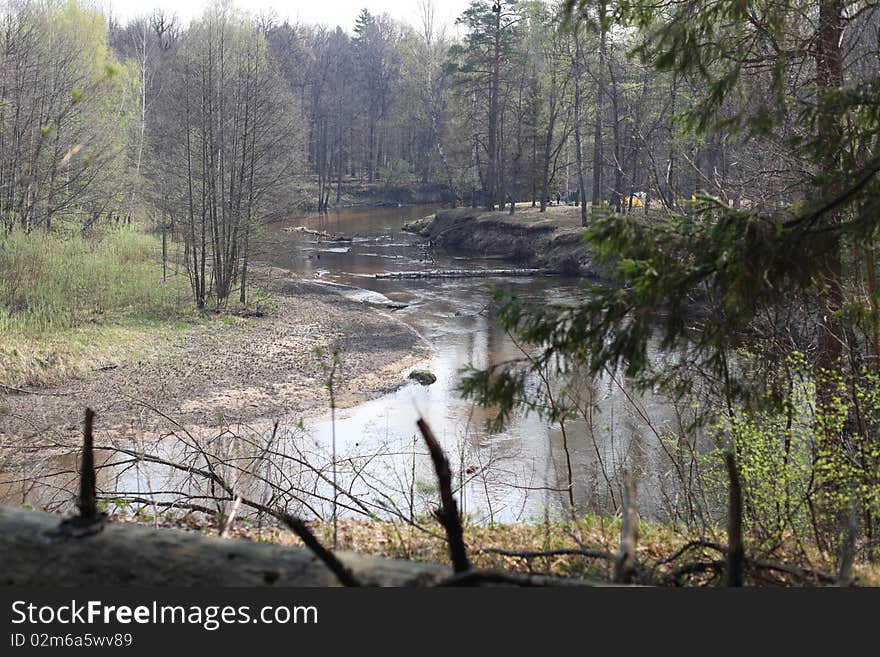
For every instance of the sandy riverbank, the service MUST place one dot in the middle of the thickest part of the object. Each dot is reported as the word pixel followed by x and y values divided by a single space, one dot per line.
pixel 230 370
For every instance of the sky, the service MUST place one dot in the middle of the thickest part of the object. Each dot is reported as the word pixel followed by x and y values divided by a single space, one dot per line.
pixel 327 12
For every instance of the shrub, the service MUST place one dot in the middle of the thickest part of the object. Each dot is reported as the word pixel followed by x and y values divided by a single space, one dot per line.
pixel 807 467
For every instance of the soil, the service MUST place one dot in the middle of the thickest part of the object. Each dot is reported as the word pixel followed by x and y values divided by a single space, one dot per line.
pixel 230 370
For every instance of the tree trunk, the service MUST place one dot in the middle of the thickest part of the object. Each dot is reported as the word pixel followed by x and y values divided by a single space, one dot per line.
pixel 829 76
pixel 491 167
pixel 578 141
pixel 597 126
pixel 831 328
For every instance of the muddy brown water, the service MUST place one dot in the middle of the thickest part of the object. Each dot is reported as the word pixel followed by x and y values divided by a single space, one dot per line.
pixel 518 473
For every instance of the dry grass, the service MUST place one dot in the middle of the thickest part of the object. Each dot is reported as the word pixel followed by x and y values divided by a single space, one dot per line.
pixel 399 541
pixel 555 216
pixel 54 357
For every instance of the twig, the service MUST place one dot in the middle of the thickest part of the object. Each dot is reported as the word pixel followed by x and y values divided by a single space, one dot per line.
pixel 447 514
pixel 298 527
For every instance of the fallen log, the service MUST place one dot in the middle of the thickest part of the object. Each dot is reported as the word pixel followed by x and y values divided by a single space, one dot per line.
pixel 318 233
pixel 33 552
pixel 464 273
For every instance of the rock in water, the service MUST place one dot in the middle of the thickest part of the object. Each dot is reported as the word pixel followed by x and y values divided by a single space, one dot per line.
pixel 424 377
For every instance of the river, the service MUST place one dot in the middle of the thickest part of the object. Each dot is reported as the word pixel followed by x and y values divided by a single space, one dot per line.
pixel 520 472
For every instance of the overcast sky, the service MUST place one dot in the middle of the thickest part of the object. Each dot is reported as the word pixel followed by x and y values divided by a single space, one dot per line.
pixel 327 12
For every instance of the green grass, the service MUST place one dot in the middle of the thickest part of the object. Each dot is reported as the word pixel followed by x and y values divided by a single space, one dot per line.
pixel 69 303
pixel 56 281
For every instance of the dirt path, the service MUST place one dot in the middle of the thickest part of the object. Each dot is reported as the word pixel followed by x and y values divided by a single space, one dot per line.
pixel 226 372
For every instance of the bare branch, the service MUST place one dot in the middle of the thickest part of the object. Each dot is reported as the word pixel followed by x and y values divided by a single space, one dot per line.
pixel 447 514
pixel 298 527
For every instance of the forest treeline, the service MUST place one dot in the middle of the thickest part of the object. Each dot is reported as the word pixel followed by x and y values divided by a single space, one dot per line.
pixel 193 128
pixel 212 126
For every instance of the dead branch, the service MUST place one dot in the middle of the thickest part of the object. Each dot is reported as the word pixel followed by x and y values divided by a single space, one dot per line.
pixel 184 505
pixel 88 504
pixel 803 574
pixel 229 518
pixel 463 273
pixel 537 554
pixel 298 527
pixel 695 568
pixel 447 514
pixel 709 545
pixel 89 521
pixel 41 393
pixel 489 578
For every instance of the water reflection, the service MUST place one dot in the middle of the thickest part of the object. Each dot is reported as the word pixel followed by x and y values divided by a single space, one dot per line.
pixel 523 470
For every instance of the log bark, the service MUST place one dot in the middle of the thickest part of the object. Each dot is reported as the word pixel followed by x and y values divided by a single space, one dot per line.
pixel 463 273
pixel 318 233
pixel 33 552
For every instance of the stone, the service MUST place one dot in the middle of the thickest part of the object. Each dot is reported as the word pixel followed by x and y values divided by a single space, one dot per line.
pixel 424 377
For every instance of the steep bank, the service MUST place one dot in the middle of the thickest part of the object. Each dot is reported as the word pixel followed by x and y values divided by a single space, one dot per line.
pixel 551 239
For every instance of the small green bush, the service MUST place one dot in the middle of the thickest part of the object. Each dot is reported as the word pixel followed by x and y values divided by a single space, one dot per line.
pixel 810 464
